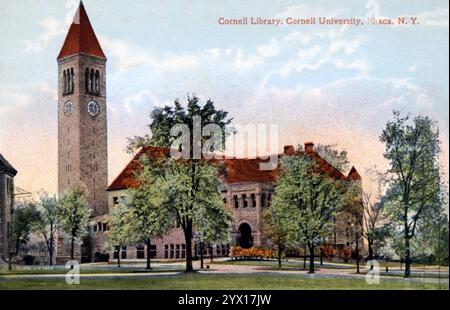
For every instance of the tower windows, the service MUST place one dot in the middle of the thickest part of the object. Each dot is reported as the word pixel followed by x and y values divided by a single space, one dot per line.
pixel 68 82
pixel 92 81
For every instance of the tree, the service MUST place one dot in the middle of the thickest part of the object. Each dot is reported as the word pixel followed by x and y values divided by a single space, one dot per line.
pixel 22 219
pixel 414 185
pixel 278 228
pixel 213 226
pixel 310 198
pixel 188 186
pixel 119 235
pixel 74 215
pixel 46 223
pixel 146 217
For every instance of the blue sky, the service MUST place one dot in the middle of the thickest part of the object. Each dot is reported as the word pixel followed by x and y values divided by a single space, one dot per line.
pixel 329 84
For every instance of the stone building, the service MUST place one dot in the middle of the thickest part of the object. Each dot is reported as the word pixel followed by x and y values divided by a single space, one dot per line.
pixel 7 174
pixel 82 130
pixel 83 161
pixel 246 191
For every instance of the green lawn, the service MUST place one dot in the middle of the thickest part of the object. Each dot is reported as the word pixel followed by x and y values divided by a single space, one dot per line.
pixel 213 282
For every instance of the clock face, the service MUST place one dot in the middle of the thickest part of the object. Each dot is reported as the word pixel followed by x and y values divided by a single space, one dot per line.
pixel 93 108
pixel 68 108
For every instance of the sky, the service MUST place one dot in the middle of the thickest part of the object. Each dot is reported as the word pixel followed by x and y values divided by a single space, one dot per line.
pixel 330 84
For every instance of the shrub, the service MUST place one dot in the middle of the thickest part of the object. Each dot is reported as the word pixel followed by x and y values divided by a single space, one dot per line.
pixel 251 253
pixel 345 254
pixel 101 257
pixel 28 260
pixel 327 250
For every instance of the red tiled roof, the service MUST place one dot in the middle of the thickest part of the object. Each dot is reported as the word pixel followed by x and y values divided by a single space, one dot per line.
pixel 81 37
pixel 237 170
pixel 126 179
pixel 353 174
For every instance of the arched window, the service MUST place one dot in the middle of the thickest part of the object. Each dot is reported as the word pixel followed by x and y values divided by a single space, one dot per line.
pixel 86 79
pixel 91 84
pixel 65 81
pixel 71 80
pixel 97 82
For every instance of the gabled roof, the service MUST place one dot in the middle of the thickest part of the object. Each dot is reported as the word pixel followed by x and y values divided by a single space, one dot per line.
pixel 5 166
pixel 81 37
pixel 237 170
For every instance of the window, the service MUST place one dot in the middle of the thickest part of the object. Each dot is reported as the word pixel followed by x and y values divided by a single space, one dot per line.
pixel 86 80
pixel 245 201
pixel 253 199
pixel 68 83
pixel 235 202
pixel 95 228
pixel 140 252
pixel 183 250
pixel 177 251
pixel 166 251
pixel 153 250
pixel 224 201
pixel 172 251
pixel 263 200
pixel 97 82
pixel 91 81
pixel 124 252
pixel 104 226
pixel 269 198
pixel 99 226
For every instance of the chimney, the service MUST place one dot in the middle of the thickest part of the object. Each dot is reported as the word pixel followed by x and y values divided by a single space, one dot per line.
pixel 289 150
pixel 309 147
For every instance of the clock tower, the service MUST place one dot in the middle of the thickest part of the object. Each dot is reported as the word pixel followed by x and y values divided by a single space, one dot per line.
pixel 82 123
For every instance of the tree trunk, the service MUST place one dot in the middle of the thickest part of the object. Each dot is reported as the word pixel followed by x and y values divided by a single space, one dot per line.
pixel 321 257
pixel 148 254
pixel 201 255
pixel 407 258
pixel 370 249
pixel 311 257
pixel 304 257
pixel 188 240
pixel 50 250
pixel 72 247
pixel 119 252
pixel 212 253
pixel 280 250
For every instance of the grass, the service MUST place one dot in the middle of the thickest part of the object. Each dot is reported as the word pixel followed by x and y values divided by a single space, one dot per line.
pixel 200 281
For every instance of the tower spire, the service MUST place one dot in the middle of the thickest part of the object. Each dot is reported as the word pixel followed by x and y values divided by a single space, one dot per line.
pixel 81 37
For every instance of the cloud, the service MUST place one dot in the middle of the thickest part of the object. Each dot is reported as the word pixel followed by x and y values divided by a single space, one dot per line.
pixel 436 18
pixel 245 61
pixel 53 28
pixel 127 56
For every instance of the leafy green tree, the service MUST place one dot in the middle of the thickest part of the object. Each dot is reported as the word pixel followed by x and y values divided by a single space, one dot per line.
pixel 119 235
pixel 47 223
pixel 278 227
pixel 22 220
pixel 74 215
pixel 213 226
pixel 414 184
pixel 188 187
pixel 310 198
pixel 146 216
